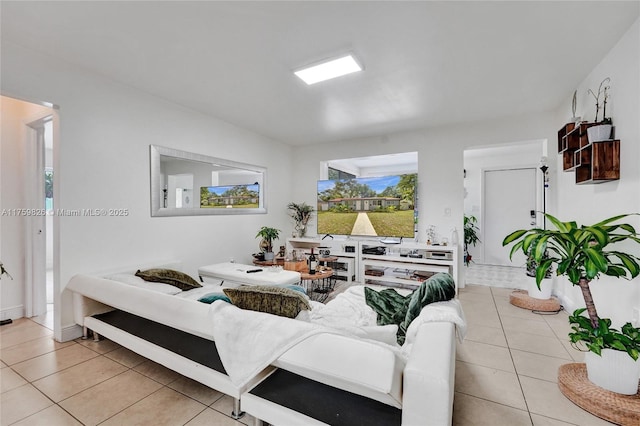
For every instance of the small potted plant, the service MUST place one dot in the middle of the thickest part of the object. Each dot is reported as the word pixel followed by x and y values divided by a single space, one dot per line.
pixel 470 236
pixel 268 235
pixel 301 213
pixel 601 131
pixel 581 254
pixel 537 290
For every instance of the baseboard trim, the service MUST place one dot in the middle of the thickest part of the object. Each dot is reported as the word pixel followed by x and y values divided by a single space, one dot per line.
pixel 71 332
pixel 13 312
pixel 568 304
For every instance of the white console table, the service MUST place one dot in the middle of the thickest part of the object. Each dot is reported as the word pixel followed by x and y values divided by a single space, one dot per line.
pixel 396 266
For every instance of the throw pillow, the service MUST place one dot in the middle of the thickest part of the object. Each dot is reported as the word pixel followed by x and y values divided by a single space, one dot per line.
pixel 139 282
pixel 169 276
pixel 389 305
pixel 297 288
pixel 210 298
pixel 273 300
pixel 439 288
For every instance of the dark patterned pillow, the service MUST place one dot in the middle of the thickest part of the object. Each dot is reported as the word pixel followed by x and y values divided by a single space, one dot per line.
pixel 272 300
pixel 169 276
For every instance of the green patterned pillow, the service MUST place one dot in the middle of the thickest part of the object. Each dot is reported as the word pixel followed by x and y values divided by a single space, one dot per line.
pixel 272 300
pixel 439 288
pixel 169 276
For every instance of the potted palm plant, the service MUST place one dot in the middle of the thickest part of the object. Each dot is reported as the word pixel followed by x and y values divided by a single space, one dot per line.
pixel 266 243
pixel 582 254
pixel 301 213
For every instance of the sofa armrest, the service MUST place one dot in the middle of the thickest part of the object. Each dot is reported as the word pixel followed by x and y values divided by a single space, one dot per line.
pixel 428 379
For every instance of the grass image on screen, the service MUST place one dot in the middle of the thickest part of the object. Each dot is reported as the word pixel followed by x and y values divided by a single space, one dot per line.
pixel 371 206
pixel 230 196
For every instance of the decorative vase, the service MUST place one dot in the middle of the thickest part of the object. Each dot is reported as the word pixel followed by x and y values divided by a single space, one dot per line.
pixel 615 371
pixel 268 255
pixel 599 133
pixel 302 230
pixel 544 292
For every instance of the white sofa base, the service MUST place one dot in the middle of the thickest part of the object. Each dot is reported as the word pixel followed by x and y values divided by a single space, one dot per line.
pixel 427 384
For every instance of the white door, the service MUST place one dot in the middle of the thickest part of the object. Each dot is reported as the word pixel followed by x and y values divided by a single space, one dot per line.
pixel 509 200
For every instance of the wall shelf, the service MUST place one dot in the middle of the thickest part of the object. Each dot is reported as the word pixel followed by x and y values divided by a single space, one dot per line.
pixel 592 162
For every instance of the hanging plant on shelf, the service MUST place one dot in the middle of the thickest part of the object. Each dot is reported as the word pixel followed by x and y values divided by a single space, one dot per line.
pixel 604 92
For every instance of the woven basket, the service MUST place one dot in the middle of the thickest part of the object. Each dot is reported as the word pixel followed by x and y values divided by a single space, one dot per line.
pixel 614 407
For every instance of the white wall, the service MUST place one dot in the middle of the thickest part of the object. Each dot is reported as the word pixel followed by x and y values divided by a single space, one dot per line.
pixel 15 116
pixel 440 164
pixel 103 152
pixel 588 204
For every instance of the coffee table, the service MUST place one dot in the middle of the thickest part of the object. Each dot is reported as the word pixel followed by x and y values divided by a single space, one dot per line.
pixel 318 285
pixel 237 273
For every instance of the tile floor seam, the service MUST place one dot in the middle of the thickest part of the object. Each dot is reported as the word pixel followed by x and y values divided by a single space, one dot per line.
pixel 92 386
pixel 515 369
pixel 131 405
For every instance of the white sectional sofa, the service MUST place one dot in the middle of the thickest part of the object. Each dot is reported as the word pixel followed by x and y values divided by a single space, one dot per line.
pixel 395 385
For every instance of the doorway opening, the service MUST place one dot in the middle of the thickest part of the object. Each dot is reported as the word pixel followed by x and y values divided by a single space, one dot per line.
pixel 27 246
pixel 504 191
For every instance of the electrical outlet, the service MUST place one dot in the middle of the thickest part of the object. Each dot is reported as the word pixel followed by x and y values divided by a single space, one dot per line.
pixel 635 321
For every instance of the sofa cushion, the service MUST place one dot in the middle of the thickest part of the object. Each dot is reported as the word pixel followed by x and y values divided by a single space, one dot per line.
pixel 169 276
pixel 272 300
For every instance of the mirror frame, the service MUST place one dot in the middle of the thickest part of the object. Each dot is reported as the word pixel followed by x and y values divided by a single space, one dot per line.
pixel 156 151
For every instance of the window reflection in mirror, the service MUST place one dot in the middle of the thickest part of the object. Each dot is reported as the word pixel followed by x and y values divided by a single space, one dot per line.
pixel 184 183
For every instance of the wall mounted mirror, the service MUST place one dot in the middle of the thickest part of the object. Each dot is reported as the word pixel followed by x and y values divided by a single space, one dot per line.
pixel 188 184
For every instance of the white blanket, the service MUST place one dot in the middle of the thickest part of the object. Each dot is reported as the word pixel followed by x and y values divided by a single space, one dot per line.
pixel 248 341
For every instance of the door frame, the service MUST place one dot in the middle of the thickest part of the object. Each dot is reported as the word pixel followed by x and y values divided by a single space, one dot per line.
pixel 35 229
pixel 539 193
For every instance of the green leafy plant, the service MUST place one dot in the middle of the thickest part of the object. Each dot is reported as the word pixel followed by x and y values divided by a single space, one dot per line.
pixel 532 264
pixel 470 236
pixel 301 213
pixel 595 339
pixel 268 235
pixel 580 253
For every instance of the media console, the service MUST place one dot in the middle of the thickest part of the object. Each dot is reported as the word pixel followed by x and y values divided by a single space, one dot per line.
pixel 405 264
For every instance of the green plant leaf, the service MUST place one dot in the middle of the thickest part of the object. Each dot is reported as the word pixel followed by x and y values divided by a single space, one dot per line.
pixel 514 236
pixel 597 258
pixel 629 263
pixel 515 248
pixel 598 234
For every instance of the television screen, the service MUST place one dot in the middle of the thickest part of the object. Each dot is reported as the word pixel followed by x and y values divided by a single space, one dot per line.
pixel 368 206
pixel 230 196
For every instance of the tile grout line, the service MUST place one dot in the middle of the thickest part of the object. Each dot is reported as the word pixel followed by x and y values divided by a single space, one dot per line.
pixel 524 397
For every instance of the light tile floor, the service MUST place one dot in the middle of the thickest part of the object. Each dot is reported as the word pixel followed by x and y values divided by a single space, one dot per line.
pixel 83 382
pixel 507 367
pixel 506 374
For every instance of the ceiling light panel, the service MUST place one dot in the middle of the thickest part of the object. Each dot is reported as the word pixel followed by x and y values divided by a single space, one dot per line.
pixel 329 69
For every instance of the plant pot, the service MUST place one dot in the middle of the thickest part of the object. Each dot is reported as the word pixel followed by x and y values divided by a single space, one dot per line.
pixel 544 292
pixel 615 371
pixel 599 133
pixel 268 255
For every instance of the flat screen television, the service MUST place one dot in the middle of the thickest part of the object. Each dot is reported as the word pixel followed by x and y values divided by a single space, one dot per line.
pixel 368 206
pixel 230 196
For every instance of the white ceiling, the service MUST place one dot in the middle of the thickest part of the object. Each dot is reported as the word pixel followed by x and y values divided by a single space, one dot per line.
pixel 427 63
